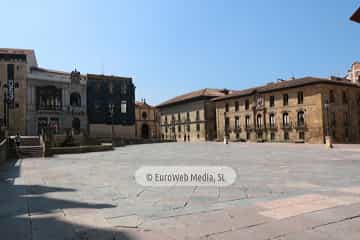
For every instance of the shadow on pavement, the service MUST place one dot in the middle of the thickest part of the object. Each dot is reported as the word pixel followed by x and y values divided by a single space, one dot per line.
pixel 27 212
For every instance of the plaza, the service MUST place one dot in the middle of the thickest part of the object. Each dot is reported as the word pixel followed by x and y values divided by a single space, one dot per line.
pixel 282 191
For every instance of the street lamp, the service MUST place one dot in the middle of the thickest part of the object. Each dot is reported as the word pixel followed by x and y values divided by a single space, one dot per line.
pixel 225 129
pixel 111 110
pixel 327 129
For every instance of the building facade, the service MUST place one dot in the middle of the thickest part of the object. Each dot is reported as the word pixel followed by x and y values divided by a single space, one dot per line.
pixel 147 121
pixel 190 117
pixel 13 82
pixel 56 100
pixel 297 110
pixel 111 109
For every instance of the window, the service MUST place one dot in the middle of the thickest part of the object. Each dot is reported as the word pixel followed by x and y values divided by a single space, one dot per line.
pixel 227 123
pixel 247 122
pixel 123 106
pixel 166 129
pixel 237 122
pixel 179 128
pixel 332 97
pixel 123 88
pixel 246 104
pixel 226 107
pixel 344 97
pixel 301 118
pixel 259 121
pixel 272 136
pixel 301 135
pixel 197 115
pixel 272 101
pixel 173 129
pixel 346 133
pixel 236 106
pixel 286 136
pixel 300 97
pixel 198 127
pixel 187 116
pixel 272 120
pixel 166 119
pixel 333 119
pixel 286 119
pixel 10 72
pixel 144 115
pixel 188 128
pixel 75 99
pixel 285 99
pixel 179 117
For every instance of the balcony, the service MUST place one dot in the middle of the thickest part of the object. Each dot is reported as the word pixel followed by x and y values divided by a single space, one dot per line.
pixel 300 126
pixel 286 126
pixel 248 128
pixel 49 107
pixel 272 127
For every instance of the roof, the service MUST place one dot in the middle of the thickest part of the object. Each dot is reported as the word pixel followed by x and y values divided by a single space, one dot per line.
pixel 49 71
pixel 206 92
pixel 106 77
pixel 356 16
pixel 284 85
pixel 30 54
pixel 142 104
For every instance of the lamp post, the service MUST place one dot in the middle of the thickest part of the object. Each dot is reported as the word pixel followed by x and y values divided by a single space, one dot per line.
pixel 225 129
pixel 111 110
pixel 327 128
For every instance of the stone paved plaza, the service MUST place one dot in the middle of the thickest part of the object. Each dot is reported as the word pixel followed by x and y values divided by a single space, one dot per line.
pixel 282 191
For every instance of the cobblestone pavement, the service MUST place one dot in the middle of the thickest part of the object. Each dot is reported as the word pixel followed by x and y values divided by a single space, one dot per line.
pixel 282 191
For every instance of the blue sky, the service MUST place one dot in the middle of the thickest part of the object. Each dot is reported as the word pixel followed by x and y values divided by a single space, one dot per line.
pixel 171 47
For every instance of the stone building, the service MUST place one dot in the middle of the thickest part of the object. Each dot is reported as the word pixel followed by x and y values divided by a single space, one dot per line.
pixel 57 100
pixel 38 98
pixel 190 117
pixel 110 106
pixel 13 82
pixel 147 124
pixel 353 74
pixel 297 110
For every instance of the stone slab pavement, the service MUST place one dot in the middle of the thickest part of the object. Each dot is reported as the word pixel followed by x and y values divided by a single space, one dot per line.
pixel 282 191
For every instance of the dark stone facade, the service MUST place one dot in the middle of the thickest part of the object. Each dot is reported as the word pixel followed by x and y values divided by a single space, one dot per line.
pixel 102 91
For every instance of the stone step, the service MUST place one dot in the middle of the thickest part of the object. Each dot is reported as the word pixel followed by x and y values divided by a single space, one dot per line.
pixel 30 151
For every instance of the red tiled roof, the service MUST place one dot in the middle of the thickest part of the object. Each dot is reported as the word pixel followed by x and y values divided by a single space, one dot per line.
pixel 206 92
pixel 356 16
pixel 284 85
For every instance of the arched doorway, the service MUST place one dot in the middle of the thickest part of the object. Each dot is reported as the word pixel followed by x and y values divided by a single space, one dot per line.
pixel 145 131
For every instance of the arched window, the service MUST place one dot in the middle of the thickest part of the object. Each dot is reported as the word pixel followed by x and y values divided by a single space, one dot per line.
pixel 301 118
pixel 144 115
pixel 259 121
pixel 272 120
pixel 286 121
pixel 247 122
pixel 75 99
